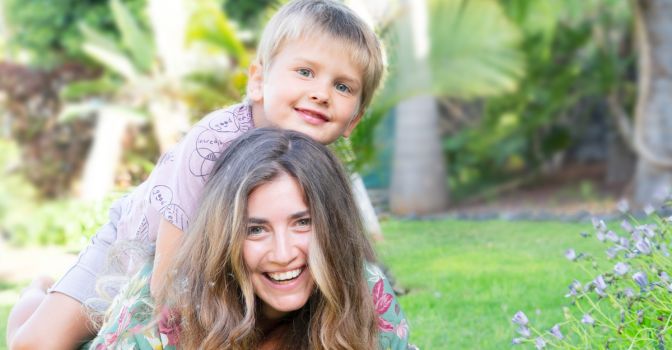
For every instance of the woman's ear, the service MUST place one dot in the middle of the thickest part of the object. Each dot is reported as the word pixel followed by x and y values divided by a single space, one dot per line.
pixel 255 82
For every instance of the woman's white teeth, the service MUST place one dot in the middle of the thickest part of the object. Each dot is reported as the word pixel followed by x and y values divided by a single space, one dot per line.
pixel 284 276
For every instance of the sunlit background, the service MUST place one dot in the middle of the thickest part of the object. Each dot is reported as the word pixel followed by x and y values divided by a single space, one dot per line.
pixel 490 109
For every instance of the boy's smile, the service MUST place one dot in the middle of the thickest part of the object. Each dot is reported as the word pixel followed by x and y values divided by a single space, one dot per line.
pixel 311 86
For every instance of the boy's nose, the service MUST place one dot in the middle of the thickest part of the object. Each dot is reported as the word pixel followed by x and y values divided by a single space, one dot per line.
pixel 319 95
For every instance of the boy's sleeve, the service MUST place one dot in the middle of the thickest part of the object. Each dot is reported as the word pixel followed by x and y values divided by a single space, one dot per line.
pixel 393 329
pixel 79 282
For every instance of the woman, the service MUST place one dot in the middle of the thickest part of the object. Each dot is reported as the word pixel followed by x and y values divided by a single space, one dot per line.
pixel 276 259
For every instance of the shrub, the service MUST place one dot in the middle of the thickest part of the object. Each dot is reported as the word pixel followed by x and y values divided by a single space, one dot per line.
pixel 626 302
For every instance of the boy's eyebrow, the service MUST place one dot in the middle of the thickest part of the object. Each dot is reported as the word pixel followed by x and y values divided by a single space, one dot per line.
pixel 297 215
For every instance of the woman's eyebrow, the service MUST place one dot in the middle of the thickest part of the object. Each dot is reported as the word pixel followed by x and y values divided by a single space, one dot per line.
pixel 299 214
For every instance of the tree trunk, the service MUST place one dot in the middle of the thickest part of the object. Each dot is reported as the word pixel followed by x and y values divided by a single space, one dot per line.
pixel 104 156
pixel 170 115
pixel 170 120
pixel 418 181
pixel 653 115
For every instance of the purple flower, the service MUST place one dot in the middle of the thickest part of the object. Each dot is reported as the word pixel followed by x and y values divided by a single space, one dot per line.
pixel 524 331
pixel 600 236
pixel 624 242
pixel 613 251
pixel 621 268
pixel 555 331
pixel 623 206
pixel 574 289
pixel 663 249
pixel 599 282
pixel 612 236
pixel 641 280
pixel 649 209
pixel 628 292
pixel 627 226
pixel 664 276
pixel 520 318
pixel 517 341
pixel 539 343
pixel 570 254
pixel 599 224
pixel 643 246
pixel 587 319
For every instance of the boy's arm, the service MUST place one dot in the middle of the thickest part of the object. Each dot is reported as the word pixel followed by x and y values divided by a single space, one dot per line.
pixel 168 240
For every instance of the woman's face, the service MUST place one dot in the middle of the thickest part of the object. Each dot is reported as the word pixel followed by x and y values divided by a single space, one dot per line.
pixel 276 248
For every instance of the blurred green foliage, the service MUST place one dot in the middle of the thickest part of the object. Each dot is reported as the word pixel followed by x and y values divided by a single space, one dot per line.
pixel 249 13
pixel 571 51
pixel 48 30
pixel 28 221
pixel 474 52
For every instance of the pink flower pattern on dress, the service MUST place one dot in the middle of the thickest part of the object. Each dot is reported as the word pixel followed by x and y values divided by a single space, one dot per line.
pixel 124 320
pixel 169 326
pixel 382 302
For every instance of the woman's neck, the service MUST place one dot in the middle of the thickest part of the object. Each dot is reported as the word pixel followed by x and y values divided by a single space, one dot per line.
pixel 272 331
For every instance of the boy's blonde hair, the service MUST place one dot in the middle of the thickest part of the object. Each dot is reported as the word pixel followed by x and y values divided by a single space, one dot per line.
pixel 306 18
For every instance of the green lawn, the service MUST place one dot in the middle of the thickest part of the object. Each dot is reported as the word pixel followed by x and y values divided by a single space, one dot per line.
pixel 467 279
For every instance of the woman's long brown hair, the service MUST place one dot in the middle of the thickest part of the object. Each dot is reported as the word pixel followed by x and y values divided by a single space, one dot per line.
pixel 209 285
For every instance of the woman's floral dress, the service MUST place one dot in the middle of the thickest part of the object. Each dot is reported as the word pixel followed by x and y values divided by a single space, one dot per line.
pixel 130 321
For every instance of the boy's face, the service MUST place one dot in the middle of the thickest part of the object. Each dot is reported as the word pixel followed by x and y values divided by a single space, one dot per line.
pixel 312 86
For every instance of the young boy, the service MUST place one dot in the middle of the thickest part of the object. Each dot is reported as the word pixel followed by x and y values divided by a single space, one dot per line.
pixel 317 68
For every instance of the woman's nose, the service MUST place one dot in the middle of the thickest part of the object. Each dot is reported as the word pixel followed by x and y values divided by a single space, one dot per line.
pixel 282 249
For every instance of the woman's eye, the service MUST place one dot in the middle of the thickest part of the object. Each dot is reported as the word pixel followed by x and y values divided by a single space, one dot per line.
pixel 342 87
pixel 304 72
pixel 304 222
pixel 255 230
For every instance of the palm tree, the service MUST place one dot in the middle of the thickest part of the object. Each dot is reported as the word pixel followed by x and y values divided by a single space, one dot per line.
pixel 154 67
pixel 653 116
pixel 418 182
pixel 453 48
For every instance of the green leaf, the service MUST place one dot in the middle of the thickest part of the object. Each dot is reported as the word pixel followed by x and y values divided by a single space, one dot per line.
pixel 97 38
pixel 475 49
pixel 136 40
pixel 114 60
pixel 86 88
pixel 211 26
pixel 121 111
pixel 72 111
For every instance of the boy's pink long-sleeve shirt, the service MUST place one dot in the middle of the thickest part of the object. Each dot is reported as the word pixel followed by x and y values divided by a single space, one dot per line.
pixel 172 191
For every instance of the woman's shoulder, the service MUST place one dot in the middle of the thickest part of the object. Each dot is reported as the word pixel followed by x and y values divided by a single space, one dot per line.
pixel 393 327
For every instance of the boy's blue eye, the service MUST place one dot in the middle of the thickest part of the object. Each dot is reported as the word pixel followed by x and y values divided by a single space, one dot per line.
pixel 304 72
pixel 342 87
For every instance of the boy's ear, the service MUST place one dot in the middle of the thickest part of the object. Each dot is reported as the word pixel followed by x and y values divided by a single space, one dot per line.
pixel 351 126
pixel 255 83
